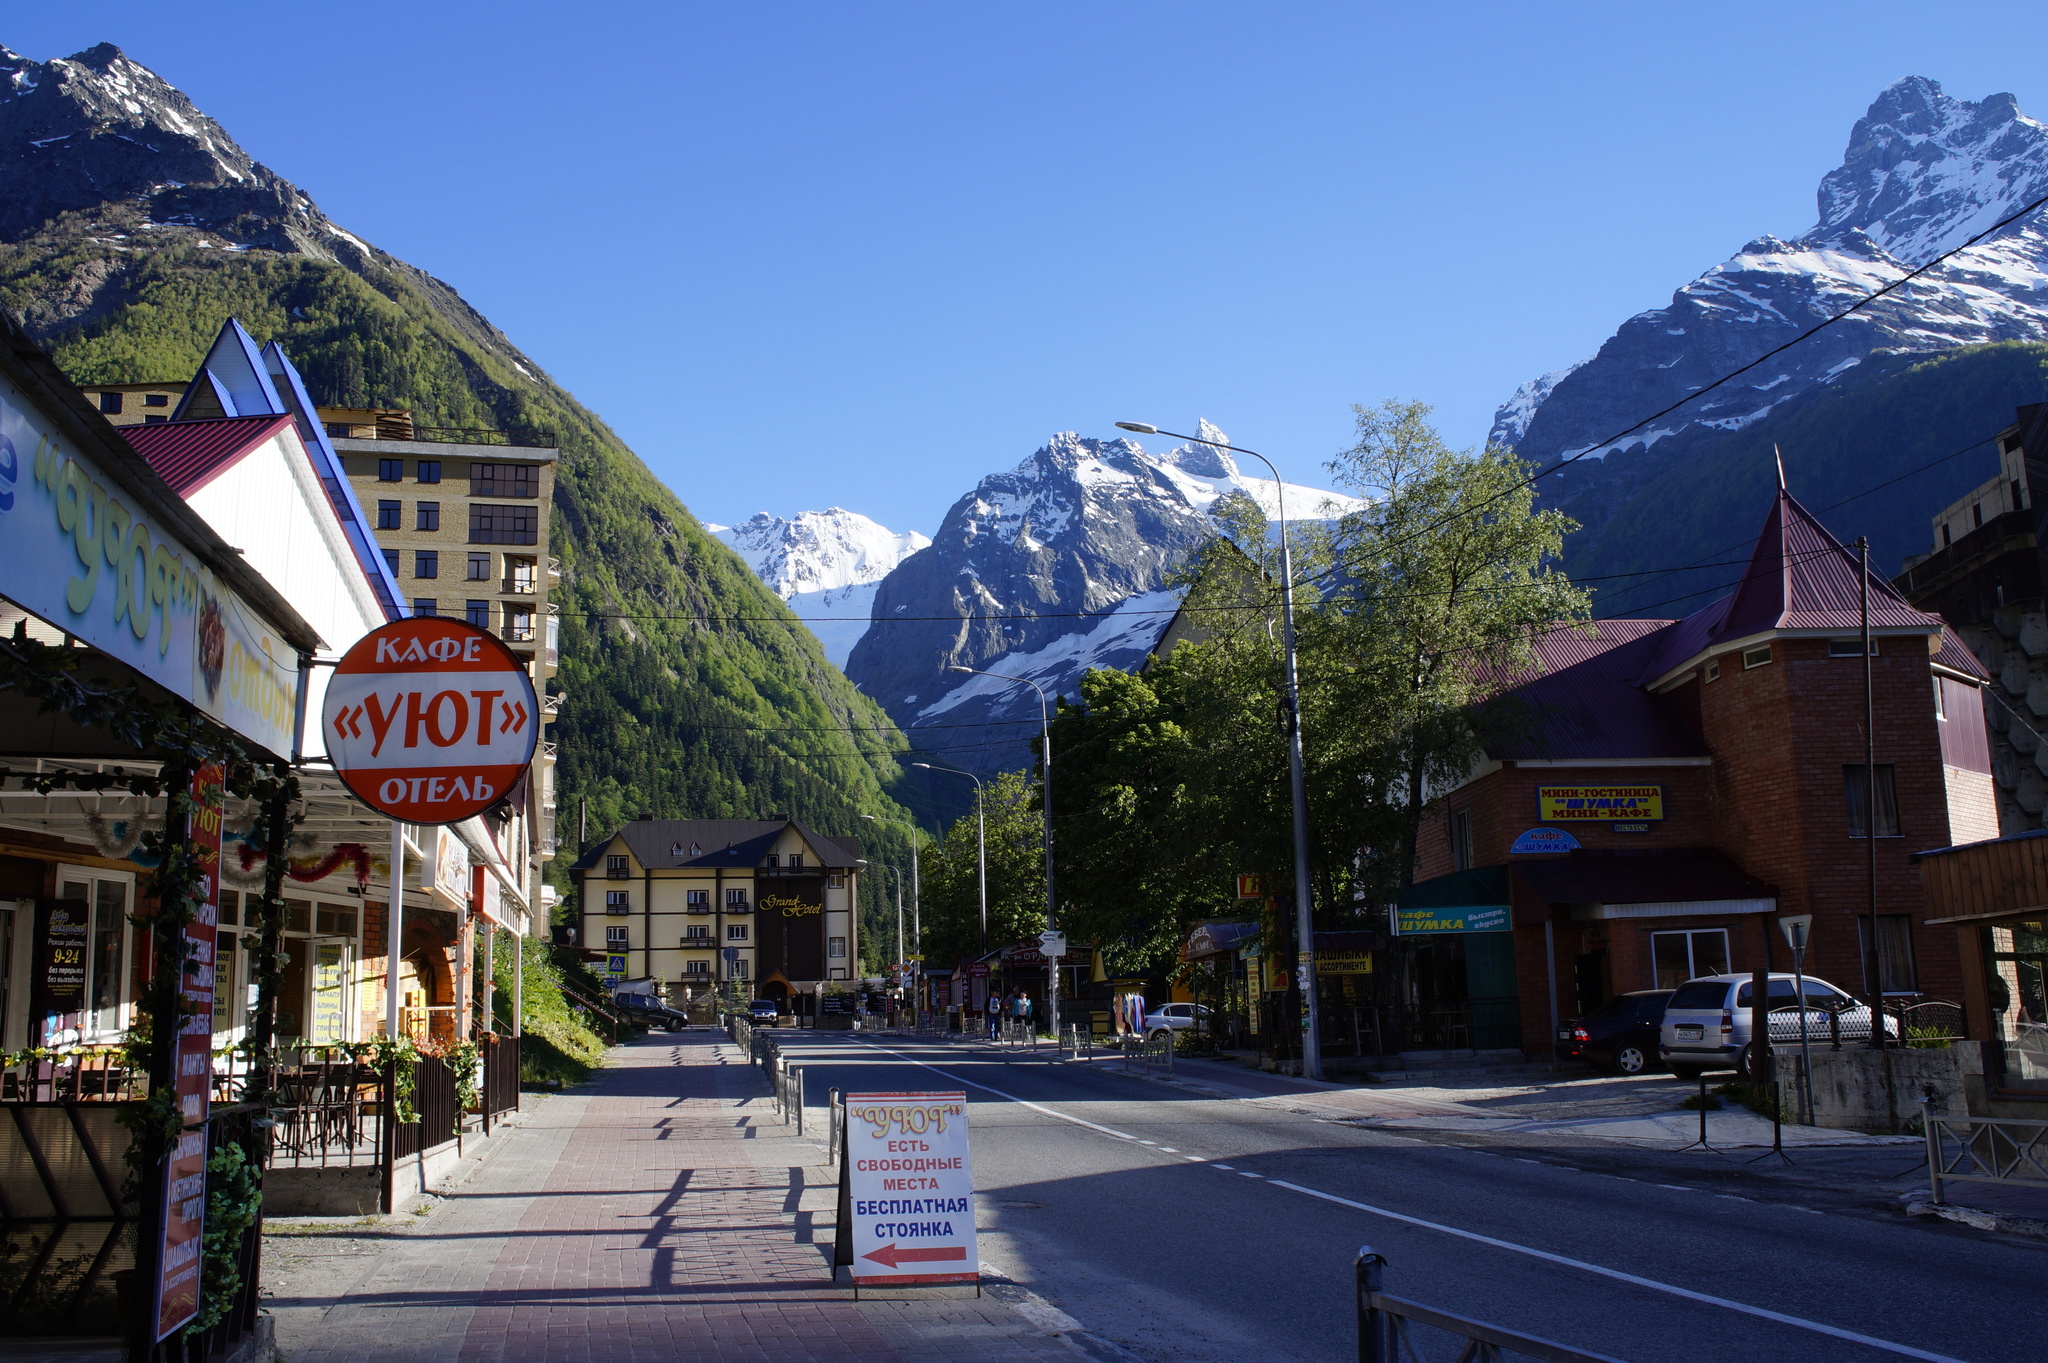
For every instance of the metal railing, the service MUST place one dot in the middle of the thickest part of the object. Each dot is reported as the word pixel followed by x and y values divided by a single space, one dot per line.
pixel 1078 1040
pixel 469 435
pixel 91 1075
pixel 1144 1052
pixel 1983 1150
pixel 1390 1327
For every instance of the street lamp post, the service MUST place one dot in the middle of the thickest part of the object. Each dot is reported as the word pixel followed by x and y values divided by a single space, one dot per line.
pixel 1052 964
pixel 916 918
pixel 1290 700
pixel 980 851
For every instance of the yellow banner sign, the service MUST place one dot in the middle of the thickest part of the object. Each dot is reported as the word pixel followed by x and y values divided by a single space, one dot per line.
pixel 1343 963
pixel 1586 804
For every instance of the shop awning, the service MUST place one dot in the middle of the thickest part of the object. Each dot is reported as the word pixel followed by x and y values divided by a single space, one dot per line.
pixel 1208 939
pixel 1669 885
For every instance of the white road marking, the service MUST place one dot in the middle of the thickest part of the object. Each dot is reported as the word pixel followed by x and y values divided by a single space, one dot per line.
pixel 1224 1167
pixel 1616 1274
pixel 1904 1350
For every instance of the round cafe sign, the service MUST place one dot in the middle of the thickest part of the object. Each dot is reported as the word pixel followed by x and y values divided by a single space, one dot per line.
pixel 430 720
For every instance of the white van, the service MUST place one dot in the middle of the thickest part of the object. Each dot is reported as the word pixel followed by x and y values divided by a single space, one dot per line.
pixel 1707 1023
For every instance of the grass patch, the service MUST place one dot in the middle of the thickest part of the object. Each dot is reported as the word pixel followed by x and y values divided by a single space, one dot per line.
pixel 557 1050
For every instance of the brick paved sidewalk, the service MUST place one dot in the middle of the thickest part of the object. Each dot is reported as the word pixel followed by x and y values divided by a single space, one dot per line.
pixel 663 1212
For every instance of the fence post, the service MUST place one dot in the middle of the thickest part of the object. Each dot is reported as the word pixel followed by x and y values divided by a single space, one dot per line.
pixel 1933 1134
pixel 797 1078
pixel 1370 1271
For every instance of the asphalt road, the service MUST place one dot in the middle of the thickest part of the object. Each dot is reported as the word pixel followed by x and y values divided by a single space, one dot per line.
pixel 1189 1228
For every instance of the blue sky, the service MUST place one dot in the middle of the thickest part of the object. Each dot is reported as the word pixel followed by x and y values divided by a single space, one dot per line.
pixel 862 254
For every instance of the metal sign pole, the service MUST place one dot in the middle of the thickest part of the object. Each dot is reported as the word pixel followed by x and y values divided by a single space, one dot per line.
pixel 394 925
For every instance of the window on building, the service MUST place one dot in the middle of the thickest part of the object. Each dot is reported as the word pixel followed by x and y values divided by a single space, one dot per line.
pixel 735 901
pixel 164 400
pixel 519 624
pixel 490 524
pixel 796 860
pixel 1849 648
pixel 618 901
pixel 735 932
pixel 838 973
pixel 519 575
pixel 391 561
pixel 1855 784
pixel 390 470
pixel 1896 971
pixel 426 563
pixel 1976 514
pixel 1461 839
pixel 390 515
pixel 1714 670
pixel 426 515
pixel 1946 538
pixel 479 567
pixel 2016 980
pixel 615 868
pixel 615 939
pixel 1680 956
pixel 504 480
pixel 1940 700
pixel 697 932
pixel 334 922
pixel 1756 657
pixel 835 947
pixel 835 882
pixel 698 901
pixel 430 470
pixel 425 605
pixel 153 420
pixel 110 403
pixel 739 970
pixel 696 967
pixel 478 613
pixel 774 860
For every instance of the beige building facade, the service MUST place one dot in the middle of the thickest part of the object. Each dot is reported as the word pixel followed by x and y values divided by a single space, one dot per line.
pixel 766 904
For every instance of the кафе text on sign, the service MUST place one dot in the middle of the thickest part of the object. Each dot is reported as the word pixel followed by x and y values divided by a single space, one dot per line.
pixel 430 720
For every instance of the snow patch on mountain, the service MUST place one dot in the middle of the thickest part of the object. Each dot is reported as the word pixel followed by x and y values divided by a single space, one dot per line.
pixel 825 564
pixel 1121 638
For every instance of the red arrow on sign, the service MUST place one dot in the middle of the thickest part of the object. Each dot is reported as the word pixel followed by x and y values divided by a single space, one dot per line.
pixel 892 1256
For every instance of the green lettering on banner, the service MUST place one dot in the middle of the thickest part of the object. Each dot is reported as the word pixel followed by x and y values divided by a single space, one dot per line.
pixel 1480 918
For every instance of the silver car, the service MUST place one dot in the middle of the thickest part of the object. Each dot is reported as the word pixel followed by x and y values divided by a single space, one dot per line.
pixel 1707 1024
pixel 1173 1017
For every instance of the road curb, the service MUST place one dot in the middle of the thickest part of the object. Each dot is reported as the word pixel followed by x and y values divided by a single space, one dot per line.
pixel 1917 1204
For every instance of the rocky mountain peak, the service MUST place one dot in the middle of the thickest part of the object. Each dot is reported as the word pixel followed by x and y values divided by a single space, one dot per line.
pixel 818 551
pixel 1923 173
pixel 98 133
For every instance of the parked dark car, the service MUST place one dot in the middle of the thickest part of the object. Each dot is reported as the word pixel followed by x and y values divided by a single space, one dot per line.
pixel 1621 1034
pixel 652 1013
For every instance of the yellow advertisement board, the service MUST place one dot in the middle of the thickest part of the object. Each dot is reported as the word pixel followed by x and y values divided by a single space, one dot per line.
pixel 1586 804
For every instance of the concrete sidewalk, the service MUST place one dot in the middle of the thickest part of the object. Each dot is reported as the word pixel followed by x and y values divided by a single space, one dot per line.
pixel 661 1212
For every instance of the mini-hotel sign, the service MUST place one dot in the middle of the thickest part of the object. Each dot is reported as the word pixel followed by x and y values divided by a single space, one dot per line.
pixel 1590 804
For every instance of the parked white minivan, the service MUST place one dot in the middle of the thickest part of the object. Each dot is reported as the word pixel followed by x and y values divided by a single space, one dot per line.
pixel 1707 1023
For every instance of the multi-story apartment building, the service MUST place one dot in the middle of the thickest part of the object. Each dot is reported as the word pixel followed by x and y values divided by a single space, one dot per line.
pixel 461 516
pixel 697 903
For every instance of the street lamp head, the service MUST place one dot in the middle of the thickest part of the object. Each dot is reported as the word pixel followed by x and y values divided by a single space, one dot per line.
pixel 926 765
pixel 959 667
pixel 1140 427
pixel 869 817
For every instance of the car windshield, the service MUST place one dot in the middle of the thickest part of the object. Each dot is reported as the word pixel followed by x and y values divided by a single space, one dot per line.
pixel 1700 994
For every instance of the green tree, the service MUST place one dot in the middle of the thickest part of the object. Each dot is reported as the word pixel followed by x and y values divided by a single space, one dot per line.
pixel 1016 874
pixel 1447 573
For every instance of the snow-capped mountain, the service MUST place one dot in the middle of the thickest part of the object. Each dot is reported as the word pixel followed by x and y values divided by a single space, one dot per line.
pixel 825 564
pixel 1923 172
pixel 1044 571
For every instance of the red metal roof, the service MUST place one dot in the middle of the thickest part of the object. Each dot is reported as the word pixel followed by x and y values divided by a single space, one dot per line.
pixel 1586 703
pixel 190 454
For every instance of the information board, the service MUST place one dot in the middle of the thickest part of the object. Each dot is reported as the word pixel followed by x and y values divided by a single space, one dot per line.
pixel 184 1205
pixel 906 1189
pixel 1587 804
pixel 1414 922
pixel 63 929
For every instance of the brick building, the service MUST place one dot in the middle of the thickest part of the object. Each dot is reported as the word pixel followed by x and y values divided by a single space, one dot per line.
pixel 1664 790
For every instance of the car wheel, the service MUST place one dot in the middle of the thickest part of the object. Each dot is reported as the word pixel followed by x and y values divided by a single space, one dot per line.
pixel 1160 1034
pixel 1631 1060
pixel 1742 1066
pixel 1689 1074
